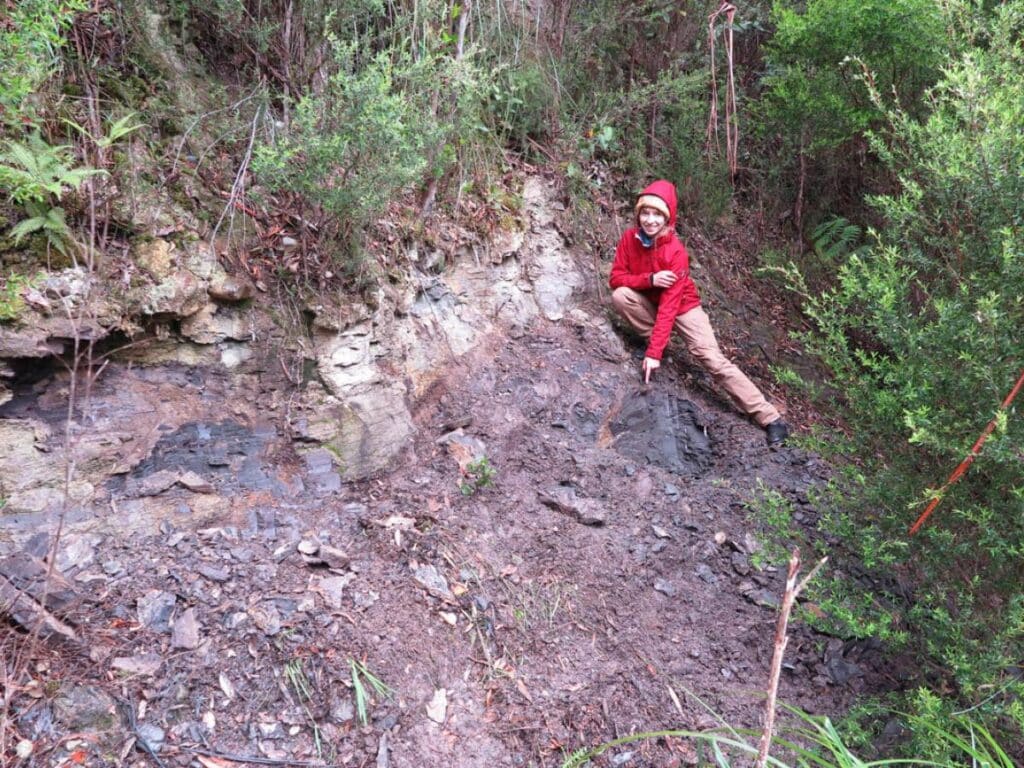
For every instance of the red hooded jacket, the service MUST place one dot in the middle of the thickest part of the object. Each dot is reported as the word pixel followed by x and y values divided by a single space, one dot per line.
pixel 635 264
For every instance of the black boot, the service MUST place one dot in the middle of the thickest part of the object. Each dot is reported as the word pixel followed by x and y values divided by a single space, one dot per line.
pixel 776 433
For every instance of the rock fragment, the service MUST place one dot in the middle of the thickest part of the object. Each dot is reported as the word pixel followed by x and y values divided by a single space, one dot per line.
pixel 563 499
pixel 430 578
pixel 185 633
pixel 438 707
pixel 665 587
pixel 154 610
pixel 333 589
pixel 143 664
pixel 195 482
pixel 266 617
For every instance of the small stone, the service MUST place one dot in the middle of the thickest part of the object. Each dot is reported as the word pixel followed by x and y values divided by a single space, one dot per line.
pixel 333 557
pixel 333 589
pixel 152 736
pixel 24 749
pixel 448 618
pixel 438 706
pixel 266 617
pixel 720 537
pixel 143 664
pixel 364 600
pixel 81 708
pixel 230 289
pixel 342 710
pixel 308 546
pixel 660 532
pixel 185 633
pixel 564 499
pixel 665 587
pixel 740 563
pixel 77 551
pixel 271 730
pixel 842 671
pixel 703 570
pixel 157 482
pixel 154 610
pixel 195 482
pixel 213 573
pixel 759 596
pixel 431 579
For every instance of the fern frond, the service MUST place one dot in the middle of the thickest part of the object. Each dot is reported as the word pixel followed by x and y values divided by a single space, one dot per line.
pixel 26 227
pixel 835 238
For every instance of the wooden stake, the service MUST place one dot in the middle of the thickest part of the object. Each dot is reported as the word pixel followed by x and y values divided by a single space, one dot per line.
pixel 793 589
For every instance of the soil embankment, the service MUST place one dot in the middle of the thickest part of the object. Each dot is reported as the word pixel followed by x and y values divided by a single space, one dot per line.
pixel 555 556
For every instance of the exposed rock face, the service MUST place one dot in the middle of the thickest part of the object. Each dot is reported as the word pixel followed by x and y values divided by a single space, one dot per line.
pixel 178 279
pixel 31 472
pixel 345 392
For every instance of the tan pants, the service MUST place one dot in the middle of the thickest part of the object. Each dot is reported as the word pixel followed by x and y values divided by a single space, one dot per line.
pixel 700 340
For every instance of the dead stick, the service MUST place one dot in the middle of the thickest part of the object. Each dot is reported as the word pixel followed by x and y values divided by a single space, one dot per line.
pixel 793 589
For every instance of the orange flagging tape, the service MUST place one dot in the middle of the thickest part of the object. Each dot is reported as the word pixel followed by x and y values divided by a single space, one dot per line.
pixel 961 470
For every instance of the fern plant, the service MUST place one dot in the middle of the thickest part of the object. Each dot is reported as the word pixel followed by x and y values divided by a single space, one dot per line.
pixel 37 175
pixel 836 238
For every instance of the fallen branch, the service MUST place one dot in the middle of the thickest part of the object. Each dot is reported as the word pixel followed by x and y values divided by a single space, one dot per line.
pixel 793 589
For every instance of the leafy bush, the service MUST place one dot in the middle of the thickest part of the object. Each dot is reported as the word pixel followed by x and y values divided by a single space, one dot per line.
pixel 353 148
pixel 922 334
pixel 815 102
pixel 31 38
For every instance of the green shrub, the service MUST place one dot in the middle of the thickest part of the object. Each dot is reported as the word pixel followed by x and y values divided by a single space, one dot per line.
pixel 31 39
pixel 922 333
pixel 353 148
pixel 816 108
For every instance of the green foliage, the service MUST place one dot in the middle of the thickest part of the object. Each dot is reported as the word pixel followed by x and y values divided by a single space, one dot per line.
pixel 821 66
pixel 922 333
pixel 31 39
pixel 115 131
pixel 835 238
pixel 478 474
pixel 364 685
pixel 38 172
pixel 37 175
pixel 11 302
pixel 774 513
pixel 373 135
pixel 814 87
pixel 522 102
pixel 812 740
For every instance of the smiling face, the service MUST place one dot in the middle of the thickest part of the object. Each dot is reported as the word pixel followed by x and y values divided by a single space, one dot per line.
pixel 652 221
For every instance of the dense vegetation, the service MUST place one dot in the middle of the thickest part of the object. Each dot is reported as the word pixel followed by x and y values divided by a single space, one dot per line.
pixel 886 136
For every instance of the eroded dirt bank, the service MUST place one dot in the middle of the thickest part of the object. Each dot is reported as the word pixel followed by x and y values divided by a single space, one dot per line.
pixel 554 559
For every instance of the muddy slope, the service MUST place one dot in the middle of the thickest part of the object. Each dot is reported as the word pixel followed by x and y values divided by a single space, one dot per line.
pixel 556 558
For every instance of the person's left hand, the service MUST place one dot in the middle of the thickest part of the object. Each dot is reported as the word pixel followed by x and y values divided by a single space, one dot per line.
pixel 650 365
pixel 666 278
